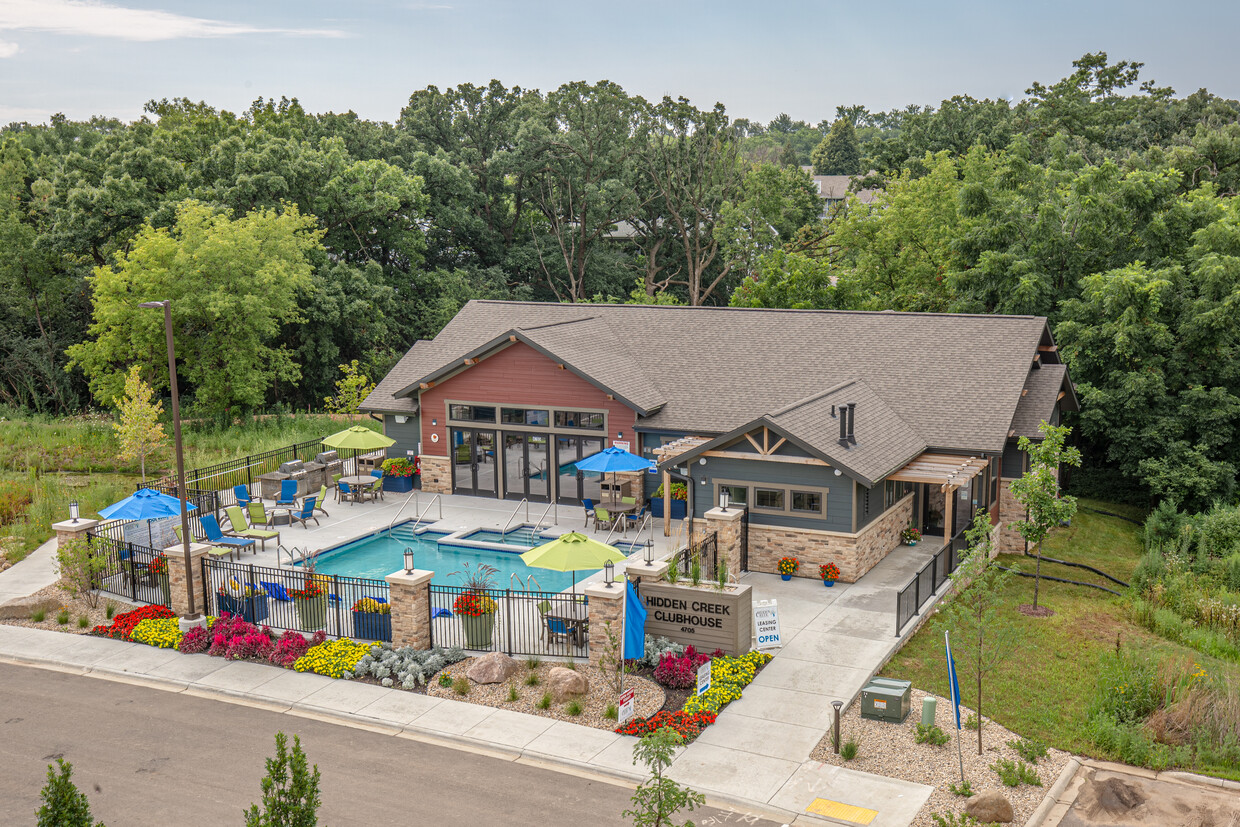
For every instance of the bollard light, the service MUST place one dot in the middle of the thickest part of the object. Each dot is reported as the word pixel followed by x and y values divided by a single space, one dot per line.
pixel 73 511
pixel 836 738
pixel 408 560
pixel 649 553
pixel 609 571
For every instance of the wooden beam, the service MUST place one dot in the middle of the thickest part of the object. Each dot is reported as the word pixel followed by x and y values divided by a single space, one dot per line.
pixel 471 361
pixel 1062 394
pixel 426 385
pixel 947 514
pixel 754 443
pixel 775 447
pixel 766 458
pixel 1048 348
pixel 512 338
pixel 667 505
pixel 766 440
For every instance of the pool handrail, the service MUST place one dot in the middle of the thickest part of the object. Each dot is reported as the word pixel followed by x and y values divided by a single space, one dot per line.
pixel 535 579
pixel 538 525
pixel 413 495
pixel 524 501
pixel 438 498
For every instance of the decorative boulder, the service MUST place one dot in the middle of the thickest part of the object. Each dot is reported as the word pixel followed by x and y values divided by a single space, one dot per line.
pixel 565 684
pixel 493 668
pixel 990 807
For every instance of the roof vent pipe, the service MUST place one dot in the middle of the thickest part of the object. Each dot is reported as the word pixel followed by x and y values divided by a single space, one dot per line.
pixel 852 421
pixel 843 425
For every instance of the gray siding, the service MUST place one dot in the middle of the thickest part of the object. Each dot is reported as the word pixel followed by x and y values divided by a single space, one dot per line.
pixel 777 474
pixel 869 504
pixel 1013 461
pixel 406 435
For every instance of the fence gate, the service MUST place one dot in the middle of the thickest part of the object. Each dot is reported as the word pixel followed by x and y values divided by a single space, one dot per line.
pixel 705 553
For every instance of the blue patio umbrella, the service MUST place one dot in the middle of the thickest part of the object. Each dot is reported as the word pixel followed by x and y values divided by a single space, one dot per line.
pixel 613 460
pixel 145 504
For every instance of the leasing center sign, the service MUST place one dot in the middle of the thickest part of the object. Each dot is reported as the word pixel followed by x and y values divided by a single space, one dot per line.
pixel 707 618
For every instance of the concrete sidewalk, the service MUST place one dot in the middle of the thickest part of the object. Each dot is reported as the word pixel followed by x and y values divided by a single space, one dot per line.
pixel 36 571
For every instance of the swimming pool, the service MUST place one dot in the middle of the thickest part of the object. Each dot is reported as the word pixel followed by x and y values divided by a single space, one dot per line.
pixel 378 555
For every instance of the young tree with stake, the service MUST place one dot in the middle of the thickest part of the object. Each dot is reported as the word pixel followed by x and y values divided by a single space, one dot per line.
pixel 1038 490
pixel 140 432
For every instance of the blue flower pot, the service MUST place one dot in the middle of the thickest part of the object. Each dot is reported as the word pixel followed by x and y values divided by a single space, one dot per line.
pixel 785 577
pixel 678 508
pixel 828 583
pixel 250 611
pixel 398 485
pixel 372 626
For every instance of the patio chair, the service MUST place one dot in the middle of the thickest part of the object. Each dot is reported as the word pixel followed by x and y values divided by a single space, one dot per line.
pixel 635 519
pixel 602 518
pixel 345 492
pixel 259 515
pixel 214 551
pixel 629 500
pixel 242 493
pixel 336 484
pixel 239 527
pixel 320 499
pixel 306 513
pixel 557 630
pixel 216 537
pixel 589 506
pixel 288 494
pixel 377 489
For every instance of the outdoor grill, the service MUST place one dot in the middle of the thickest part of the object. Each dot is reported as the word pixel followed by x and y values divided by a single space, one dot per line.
pixel 269 484
pixel 295 469
pixel 331 464
pixel 315 476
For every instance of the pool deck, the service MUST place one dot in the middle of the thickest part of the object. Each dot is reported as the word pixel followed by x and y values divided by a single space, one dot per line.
pixel 449 513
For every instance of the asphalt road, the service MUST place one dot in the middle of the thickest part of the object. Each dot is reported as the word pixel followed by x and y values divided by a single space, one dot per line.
pixel 149 757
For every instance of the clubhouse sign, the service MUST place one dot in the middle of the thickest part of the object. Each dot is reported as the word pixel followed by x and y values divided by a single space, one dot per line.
pixel 704 617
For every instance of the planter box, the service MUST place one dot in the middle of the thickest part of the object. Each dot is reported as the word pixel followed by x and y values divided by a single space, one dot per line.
pixel 372 626
pixel 398 485
pixel 678 508
pixel 242 606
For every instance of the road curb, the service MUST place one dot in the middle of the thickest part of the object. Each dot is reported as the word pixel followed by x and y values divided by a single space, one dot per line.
pixel 1052 795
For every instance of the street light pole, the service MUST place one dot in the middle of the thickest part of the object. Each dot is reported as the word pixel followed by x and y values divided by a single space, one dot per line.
pixel 176 432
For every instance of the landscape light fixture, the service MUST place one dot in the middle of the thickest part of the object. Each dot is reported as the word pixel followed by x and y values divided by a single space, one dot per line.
pixel 649 552
pixel 166 306
pixel 836 733
pixel 609 570
pixel 408 560
pixel 724 500
pixel 73 511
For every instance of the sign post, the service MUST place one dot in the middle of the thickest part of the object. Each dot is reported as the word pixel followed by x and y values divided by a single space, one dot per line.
pixel 625 712
pixel 766 624
pixel 703 678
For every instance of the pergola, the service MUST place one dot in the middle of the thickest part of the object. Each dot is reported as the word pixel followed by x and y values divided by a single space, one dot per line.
pixel 947 471
pixel 664 453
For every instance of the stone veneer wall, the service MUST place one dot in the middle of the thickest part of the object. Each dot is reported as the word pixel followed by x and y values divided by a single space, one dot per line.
pixel 854 554
pixel 1010 541
pixel 436 474
pixel 409 596
pixel 603 608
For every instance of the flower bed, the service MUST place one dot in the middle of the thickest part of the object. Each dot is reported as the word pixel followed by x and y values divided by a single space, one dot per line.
pixel 334 658
pixel 688 725
pixel 164 633
pixel 729 675
pixel 123 624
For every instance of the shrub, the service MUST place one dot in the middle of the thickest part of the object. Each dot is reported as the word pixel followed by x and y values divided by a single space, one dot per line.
pixel 848 750
pixel 38 615
pixel 461 685
pixel 573 708
pixel 123 625
pixel 656 647
pixel 513 695
pixel 545 701
pixel 1015 774
pixel 953 820
pixel 83 621
pixel 62 617
pixel 1127 689
pixel 972 722
pixel 405 665
pixel 109 610
pixel 445 680
pixel 1218 530
pixel 1030 749
pixel 15 497
pixel 81 568
pixel 964 790
pixel 290 790
pixel 611 713
pixel 932 735
pixel 63 804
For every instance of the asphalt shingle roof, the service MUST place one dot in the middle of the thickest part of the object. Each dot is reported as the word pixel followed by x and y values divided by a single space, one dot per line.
pixel 953 380
pixel 1041 391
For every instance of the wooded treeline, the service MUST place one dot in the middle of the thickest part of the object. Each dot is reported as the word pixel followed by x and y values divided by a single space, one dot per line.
pixel 292 243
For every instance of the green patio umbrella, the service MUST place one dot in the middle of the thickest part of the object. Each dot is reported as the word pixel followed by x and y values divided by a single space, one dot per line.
pixel 572 552
pixel 358 438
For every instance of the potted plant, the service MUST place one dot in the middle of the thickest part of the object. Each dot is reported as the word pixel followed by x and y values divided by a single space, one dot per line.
pixel 247 601
pixel 787 567
pixel 398 475
pixel 910 536
pixel 372 620
pixel 159 570
pixel 311 603
pixel 475 606
pixel 829 572
pixel 680 501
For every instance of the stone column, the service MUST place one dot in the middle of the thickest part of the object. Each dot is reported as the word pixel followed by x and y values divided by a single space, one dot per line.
pixel 178 591
pixel 642 573
pixel 727 528
pixel 69 530
pixel 605 605
pixel 410 599
pixel 436 474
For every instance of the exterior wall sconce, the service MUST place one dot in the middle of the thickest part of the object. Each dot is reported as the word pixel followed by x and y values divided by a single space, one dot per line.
pixel 702 461
pixel 619 434
pixel 724 500
pixel 837 472
pixel 609 572
pixel 408 560
pixel 434 421
pixel 73 511
pixel 401 419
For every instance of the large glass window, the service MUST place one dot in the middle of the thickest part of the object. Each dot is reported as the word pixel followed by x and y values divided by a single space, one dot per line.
pixel 525 416
pixel 768 498
pixel 579 419
pixel 737 494
pixel 471 413
pixel 808 502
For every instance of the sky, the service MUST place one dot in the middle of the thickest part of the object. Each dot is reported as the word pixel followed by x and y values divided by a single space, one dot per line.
pixel 89 57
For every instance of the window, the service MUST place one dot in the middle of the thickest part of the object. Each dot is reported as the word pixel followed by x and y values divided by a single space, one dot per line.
pixel 579 419
pixel 808 502
pixel 737 494
pixel 894 491
pixel 771 499
pixel 471 413
pixel 525 416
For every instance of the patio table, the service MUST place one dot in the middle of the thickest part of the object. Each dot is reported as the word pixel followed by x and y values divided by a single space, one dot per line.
pixel 361 481
pixel 575 616
pixel 618 510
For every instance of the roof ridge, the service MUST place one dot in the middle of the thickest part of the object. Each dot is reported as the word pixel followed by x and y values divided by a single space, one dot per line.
pixel 557 324
pixel 819 395
pixel 792 310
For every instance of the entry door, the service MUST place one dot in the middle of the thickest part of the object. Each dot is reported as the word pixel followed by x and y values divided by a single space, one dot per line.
pixel 474 462
pixel 526 466
pixel 573 484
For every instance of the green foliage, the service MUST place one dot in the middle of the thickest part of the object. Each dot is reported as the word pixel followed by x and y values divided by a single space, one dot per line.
pixel 932 735
pixel 445 680
pixel 351 390
pixel 290 790
pixel 63 805
pixel 573 708
pixel 81 568
pixel 545 701
pixel 611 713
pixel 461 685
pixel 658 799
pixel 839 153
pixel 38 615
pixel 62 617
pixel 533 662
pixel 1013 774
pixel 964 789
pixel 611 662
pixel 1030 749
pixel 532 679
pixel 954 820
pixel 513 695
pixel 83 621
pixel 848 750
pixel 109 610
pixel 139 431
pixel 1038 489
pixel 972 722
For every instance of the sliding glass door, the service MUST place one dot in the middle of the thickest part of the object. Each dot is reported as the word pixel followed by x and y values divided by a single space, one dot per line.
pixel 527 466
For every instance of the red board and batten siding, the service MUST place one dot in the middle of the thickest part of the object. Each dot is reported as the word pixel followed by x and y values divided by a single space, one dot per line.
pixel 518 375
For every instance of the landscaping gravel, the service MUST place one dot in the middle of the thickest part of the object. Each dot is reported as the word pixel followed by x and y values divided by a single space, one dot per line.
pixel 890 749
pixel 647 695
pixel 56 598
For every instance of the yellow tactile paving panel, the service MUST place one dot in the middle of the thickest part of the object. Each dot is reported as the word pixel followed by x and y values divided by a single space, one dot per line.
pixel 844 812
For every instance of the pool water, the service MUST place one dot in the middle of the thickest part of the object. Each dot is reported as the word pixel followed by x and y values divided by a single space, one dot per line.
pixel 378 555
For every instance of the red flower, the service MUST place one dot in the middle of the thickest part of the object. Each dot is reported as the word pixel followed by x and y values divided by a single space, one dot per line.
pixel 123 624
pixel 686 725
pixel 474 604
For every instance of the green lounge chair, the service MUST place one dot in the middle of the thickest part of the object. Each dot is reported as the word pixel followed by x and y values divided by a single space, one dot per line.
pixel 239 527
pixel 214 551
pixel 320 499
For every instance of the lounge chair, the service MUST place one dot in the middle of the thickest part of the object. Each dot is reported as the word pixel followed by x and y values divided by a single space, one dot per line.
pixel 288 494
pixel 242 493
pixel 259 515
pixel 238 527
pixel 306 513
pixel 589 506
pixel 216 537
pixel 214 551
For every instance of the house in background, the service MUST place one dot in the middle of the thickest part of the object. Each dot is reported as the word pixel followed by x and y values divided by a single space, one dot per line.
pixel 836 430
pixel 834 189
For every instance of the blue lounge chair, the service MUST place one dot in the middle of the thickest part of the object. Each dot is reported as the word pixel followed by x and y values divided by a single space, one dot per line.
pixel 288 494
pixel 242 493
pixel 306 513
pixel 216 537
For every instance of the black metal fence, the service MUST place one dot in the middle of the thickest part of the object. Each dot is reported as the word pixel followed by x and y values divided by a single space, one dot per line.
pixel 927 581
pixel 241 471
pixel 512 621
pixel 234 587
pixel 705 553
pixel 128 571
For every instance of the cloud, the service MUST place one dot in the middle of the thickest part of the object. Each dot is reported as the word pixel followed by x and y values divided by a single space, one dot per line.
pixel 18 114
pixel 91 18
pixel 7 49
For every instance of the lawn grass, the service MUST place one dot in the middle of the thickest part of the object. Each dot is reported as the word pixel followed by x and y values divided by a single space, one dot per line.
pixel 1045 686
pixel 75 458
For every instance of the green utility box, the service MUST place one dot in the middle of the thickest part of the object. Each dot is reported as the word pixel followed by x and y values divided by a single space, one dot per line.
pixel 885 703
pixel 891 683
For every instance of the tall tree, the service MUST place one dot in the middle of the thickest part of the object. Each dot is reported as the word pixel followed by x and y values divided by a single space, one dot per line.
pixel 139 431
pixel 1038 489
pixel 839 153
